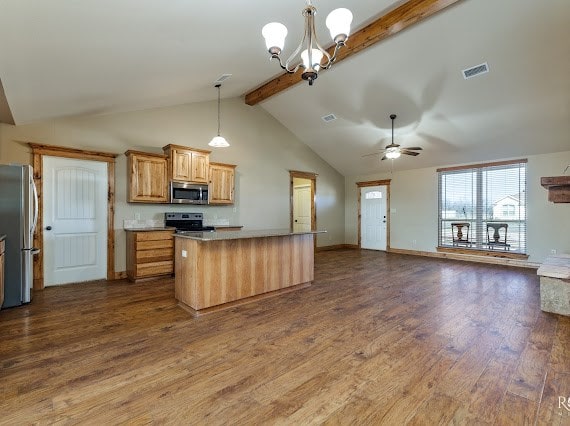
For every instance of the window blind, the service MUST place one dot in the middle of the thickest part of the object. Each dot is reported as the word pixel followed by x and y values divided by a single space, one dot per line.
pixel 487 203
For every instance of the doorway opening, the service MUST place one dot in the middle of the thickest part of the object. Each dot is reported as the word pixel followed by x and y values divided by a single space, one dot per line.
pixel 374 215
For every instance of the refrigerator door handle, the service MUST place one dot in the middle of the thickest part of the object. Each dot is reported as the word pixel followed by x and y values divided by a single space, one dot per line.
pixel 36 206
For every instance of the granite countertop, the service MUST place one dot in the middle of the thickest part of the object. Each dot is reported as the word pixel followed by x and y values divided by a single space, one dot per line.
pixel 159 228
pixel 236 235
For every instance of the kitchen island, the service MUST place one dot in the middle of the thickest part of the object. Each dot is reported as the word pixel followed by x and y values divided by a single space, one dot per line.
pixel 218 270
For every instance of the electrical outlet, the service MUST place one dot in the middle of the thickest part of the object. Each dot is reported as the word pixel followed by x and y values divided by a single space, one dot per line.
pixel 184 253
pixel 553 251
pixel 137 216
pixel 414 242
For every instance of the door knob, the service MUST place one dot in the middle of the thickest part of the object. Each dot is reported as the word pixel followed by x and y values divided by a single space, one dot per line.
pixel 48 228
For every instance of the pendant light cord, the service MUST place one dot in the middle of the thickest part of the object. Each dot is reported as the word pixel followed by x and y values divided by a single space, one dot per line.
pixel 218 86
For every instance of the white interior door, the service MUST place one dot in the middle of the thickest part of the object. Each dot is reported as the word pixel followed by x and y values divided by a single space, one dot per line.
pixel 302 208
pixel 374 220
pixel 74 220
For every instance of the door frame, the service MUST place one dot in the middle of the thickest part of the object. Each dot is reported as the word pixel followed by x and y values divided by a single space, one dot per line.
pixel 38 151
pixel 313 178
pixel 359 185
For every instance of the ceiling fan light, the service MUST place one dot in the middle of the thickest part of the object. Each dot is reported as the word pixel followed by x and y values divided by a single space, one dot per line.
pixel 219 142
pixel 274 34
pixel 338 22
pixel 393 154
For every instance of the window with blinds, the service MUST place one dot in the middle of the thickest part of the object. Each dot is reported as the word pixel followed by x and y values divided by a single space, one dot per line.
pixel 483 206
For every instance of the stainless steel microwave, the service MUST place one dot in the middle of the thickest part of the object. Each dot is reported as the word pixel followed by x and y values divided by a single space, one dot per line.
pixel 188 193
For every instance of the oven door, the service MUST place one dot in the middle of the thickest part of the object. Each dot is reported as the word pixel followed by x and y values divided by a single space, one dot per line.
pixel 188 193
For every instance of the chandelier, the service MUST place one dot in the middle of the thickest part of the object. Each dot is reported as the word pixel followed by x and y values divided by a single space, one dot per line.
pixel 219 141
pixel 338 22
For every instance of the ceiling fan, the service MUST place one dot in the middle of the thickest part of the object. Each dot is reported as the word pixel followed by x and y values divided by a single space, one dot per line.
pixel 394 150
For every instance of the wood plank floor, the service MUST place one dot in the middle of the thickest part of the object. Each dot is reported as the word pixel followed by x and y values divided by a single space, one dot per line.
pixel 377 339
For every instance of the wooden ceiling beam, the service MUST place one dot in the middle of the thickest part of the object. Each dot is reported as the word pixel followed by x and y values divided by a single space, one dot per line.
pixel 404 16
pixel 6 116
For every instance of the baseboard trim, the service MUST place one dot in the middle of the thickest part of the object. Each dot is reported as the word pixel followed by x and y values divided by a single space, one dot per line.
pixel 468 258
pixel 337 247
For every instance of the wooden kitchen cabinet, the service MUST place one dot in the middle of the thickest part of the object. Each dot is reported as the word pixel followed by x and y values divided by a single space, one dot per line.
pixel 147 176
pixel 149 253
pixel 187 164
pixel 222 183
pixel 1 273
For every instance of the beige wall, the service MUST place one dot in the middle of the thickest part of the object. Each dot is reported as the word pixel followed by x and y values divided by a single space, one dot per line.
pixel 413 202
pixel 263 149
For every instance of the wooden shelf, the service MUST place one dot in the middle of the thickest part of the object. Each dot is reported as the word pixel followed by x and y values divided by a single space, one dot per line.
pixel 558 188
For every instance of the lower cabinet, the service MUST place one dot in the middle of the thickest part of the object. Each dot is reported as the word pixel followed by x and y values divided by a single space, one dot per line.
pixel 149 254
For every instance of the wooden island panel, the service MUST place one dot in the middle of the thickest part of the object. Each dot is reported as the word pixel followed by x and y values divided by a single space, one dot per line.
pixel 216 273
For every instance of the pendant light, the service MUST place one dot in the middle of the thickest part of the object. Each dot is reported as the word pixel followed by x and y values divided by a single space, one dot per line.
pixel 219 141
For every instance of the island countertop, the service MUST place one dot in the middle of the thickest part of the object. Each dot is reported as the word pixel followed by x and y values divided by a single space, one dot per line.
pixel 238 235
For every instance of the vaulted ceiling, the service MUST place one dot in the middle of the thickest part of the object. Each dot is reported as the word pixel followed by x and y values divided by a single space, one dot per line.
pixel 74 58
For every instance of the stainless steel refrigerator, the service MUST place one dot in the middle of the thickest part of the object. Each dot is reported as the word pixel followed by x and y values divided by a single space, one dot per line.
pixel 18 219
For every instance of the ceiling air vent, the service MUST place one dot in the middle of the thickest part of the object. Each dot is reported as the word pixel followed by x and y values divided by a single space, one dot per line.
pixel 476 70
pixel 328 118
pixel 222 78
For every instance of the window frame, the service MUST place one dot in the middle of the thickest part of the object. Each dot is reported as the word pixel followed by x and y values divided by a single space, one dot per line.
pixel 479 169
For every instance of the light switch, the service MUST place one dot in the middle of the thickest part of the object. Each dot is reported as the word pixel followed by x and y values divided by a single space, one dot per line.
pixel 184 253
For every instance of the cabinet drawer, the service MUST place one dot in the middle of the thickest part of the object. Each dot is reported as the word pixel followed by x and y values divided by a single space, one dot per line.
pixel 153 245
pixel 155 268
pixel 154 235
pixel 148 256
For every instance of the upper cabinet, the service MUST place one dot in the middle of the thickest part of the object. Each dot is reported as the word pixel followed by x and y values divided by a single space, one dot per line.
pixel 222 182
pixel 187 164
pixel 147 176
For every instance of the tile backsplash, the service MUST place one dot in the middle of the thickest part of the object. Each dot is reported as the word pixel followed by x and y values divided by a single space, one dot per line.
pixel 142 223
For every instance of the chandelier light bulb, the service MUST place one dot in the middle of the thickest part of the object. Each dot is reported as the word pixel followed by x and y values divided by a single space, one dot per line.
pixel 317 56
pixel 338 22
pixel 274 34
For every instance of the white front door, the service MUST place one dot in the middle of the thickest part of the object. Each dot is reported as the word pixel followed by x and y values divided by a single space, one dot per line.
pixel 374 220
pixel 74 220
pixel 302 208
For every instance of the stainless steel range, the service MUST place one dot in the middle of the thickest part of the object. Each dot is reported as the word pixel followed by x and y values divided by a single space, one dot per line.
pixel 187 222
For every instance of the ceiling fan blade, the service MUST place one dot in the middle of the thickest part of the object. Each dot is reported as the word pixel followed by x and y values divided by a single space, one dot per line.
pixel 405 151
pixel 414 148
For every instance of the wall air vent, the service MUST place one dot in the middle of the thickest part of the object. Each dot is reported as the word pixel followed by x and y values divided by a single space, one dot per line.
pixel 328 118
pixel 476 70
pixel 222 78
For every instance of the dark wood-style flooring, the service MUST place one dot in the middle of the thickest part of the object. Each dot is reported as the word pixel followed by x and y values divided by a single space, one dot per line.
pixel 377 339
